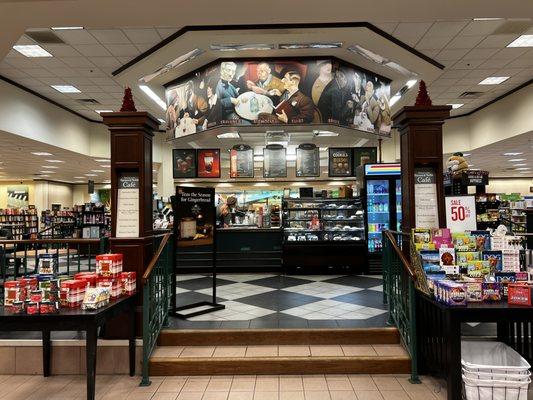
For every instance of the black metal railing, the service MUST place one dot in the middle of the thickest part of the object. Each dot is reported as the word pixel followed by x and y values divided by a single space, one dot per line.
pixel 157 295
pixel 399 293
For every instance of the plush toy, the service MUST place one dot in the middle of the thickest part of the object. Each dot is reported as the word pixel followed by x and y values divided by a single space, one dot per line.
pixel 457 163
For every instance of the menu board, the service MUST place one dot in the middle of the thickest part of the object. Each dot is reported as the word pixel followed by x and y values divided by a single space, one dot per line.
pixel 364 155
pixel 194 216
pixel 340 161
pixel 128 205
pixel 426 205
pixel 241 162
pixel 183 163
pixel 275 161
pixel 208 163
pixel 307 160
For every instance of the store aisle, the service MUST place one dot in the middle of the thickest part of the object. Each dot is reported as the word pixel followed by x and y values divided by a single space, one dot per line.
pixel 274 300
pixel 250 387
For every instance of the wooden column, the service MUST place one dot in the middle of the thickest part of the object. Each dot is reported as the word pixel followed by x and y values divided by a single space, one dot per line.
pixel 420 129
pixel 131 152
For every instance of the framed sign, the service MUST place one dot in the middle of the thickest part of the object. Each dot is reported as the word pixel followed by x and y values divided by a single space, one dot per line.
pixel 128 205
pixel 208 163
pixel 307 160
pixel 17 196
pixel 364 155
pixel 340 161
pixel 183 163
pixel 194 216
pixel 426 205
pixel 461 213
pixel 275 161
pixel 241 162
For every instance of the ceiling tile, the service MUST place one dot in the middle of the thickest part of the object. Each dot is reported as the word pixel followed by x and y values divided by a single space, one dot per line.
pixel 484 28
pixel 451 54
pixel 49 63
pixel 61 50
pixel 144 36
pixel 65 72
pixel 53 81
pixel 74 37
pixel 102 81
pixel 14 73
pixel 480 54
pixel 112 89
pixel 496 41
pixel 494 63
pixel 143 47
pixel 106 62
pixel 466 64
pixel 39 72
pixel 464 42
pixel 509 53
pixel 123 50
pixel 90 72
pixel 433 42
pixel 124 60
pixel 521 62
pixel 165 31
pixel 450 74
pixel 77 81
pixel 481 73
pixel 21 62
pixel 76 61
pixel 446 28
pixel 411 29
pixel 443 82
pixel 110 36
pixel 92 50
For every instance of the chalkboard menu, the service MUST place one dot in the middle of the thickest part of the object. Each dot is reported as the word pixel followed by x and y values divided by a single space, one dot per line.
pixel 241 162
pixel 194 216
pixel 307 160
pixel 340 161
pixel 275 161
pixel 183 163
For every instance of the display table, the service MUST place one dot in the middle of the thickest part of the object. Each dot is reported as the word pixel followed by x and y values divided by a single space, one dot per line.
pixel 75 319
pixel 439 334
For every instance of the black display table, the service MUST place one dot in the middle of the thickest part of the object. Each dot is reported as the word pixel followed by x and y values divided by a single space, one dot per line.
pixel 439 334
pixel 75 319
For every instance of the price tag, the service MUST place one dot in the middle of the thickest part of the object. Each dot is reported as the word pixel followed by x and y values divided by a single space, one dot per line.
pixel 461 213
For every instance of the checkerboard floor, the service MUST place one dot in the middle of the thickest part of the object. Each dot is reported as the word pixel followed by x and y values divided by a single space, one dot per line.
pixel 281 301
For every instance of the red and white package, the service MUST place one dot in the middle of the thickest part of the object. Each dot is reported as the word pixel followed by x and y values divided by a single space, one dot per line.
pixel 109 265
pixel 112 283
pixel 128 282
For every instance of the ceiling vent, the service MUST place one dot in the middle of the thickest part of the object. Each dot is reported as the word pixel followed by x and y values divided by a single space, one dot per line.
pixel 88 101
pixel 45 37
pixel 471 95
pixel 513 27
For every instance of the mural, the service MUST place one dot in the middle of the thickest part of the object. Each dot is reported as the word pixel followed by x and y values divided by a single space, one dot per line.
pixel 320 91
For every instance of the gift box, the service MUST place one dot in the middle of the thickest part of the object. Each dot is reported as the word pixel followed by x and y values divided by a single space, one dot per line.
pixel 72 292
pixel 13 291
pixel 474 292
pixel 109 265
pixel 519 294
pixel 29 283
pixel 491 291
pixel 89 277
pixel 112 283
pixel 128 282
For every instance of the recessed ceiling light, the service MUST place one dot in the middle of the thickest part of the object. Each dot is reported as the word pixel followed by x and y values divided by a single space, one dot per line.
pixel 44 175
pixel 241 47
pixel 79 177
pixel 41 153
pixel 455 106
pixel 410 83
pixel 519 165
pixel 523 168
pixel 67 28
pixel 327 45
pixel 512 154
pixel 150 93
pixel 394 99
pixel 522 41
pixel 102 111
pixel 55 161
pixel 66 88
pixel 32 50
pixel 516 159
pixel 466 154
pixel 47 172
pixel 229 135
pixel 49 166
pixel 487 19
pixel 493 80
pixel 324 133
pixel 101 160
pixel 97 170
pixel 90 174
pixel 162 120
pixel 106 166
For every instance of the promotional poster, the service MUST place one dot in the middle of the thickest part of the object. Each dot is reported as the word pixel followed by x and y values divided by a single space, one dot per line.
pixel 242 162
pixel 364 155
pixel 279 91
pixel 208 163
pixel 183 163
pixel 194 216
pixel 340 162
pixel 17 196
pixel 307 160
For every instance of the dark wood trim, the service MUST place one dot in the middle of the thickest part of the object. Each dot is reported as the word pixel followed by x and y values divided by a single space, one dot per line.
pixel 280 365
pixel 155 258
pixel 241 337
pixel 327 25
pixel 510 92
pixel 22 87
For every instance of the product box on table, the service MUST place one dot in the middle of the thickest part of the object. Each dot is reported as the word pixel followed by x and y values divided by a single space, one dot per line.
pixel 72 292
pixel 109 265
pixel 47 264
pixel 13 291
pixel 504 278
pixel 451 293
pixel 474 292
pixel 90 277
pixel 29 283
pixel 128 282
pixel 491 291
pixel 519 294
pixel 112 283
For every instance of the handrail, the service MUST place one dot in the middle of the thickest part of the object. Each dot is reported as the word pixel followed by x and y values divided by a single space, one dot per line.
pixel 156 256
pixel 50 241
pixel 405 262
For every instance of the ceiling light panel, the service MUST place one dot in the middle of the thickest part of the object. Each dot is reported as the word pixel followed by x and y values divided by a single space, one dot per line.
pixel 455 106
pixel 522 41
pixel 493 80
pixel 66 89
pixel 150 93
pixel 241 47
pixel 32 50
pixel 184 58
pixel 41 153
pixel 55 161
pixel 229 135
pixel 326 45
pixel 67 28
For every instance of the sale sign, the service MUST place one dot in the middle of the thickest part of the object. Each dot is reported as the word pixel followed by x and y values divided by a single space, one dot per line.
pixel 461 213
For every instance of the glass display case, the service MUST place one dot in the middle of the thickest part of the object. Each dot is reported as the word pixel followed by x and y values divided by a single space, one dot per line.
pixel 323 220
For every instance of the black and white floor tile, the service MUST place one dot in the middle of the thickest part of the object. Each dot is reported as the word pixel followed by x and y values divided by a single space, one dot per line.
pixel 274 300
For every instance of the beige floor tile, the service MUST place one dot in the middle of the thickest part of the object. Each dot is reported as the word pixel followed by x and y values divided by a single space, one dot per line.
pixel 215 395
pixel 7 360
pixel 315 383
pixel 219 385
pixel 230 351
pixel 368 395
pixel 294 351
pixel 167 351
pixel 387 383
pixel 358 350
pixel 264 384
pixel 139 396
pixel 317 395
pixel 423 395
pixel 242 385
pixel 362 382
pixel 326 351
pixel 198 351
pixel 190 395
pixel 165 396
pixel 335 384
pixel 394 395
pixel 343 395
pixel 240 395
pixel 389 350
pixel 266 395
pixel 262 351
pixel 291 395
pixel 172 385
pixel 290 384
pixel 195 385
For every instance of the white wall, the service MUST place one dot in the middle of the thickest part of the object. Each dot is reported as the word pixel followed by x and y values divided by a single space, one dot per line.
pixel 509 185
pixel 48 193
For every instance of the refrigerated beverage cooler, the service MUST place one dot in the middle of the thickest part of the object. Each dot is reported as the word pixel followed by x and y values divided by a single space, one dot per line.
pixel 382 196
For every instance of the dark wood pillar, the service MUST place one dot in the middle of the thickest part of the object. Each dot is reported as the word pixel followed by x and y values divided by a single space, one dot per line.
pixel 131 153
pixel 420 129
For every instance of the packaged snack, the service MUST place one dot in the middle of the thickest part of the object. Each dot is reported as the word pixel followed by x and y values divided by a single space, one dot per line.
pixel 491 291
pixel 446 256
pixel 452 293
pixel 482 239
pixel 474 292
pixel 72 292
pixel 32 308
pixel 36 296
pixel 109 265
pixel 17 308
pixel 494 257
pixel 504 278
pixel 128 282
pixel 13 291
pixel 519 294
